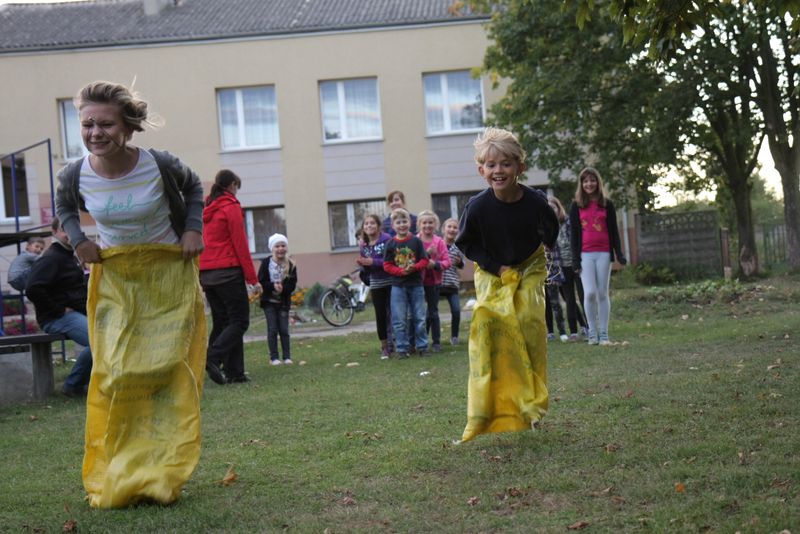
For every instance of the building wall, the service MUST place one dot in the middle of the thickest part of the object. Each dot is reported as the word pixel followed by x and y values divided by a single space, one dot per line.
pixel 303 174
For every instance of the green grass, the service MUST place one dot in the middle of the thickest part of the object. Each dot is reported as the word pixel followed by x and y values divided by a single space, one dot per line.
pixel 685 402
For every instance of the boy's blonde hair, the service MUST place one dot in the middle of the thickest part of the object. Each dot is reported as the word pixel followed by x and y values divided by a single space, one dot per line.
pixel 428 213
pixel 400 213
pixel 503 141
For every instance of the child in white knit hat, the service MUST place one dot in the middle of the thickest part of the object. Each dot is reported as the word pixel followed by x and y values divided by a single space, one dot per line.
pixel 278 276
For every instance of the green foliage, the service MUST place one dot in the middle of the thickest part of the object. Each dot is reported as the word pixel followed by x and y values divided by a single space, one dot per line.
pixel 705 292
pixel 649 275
pixel 312 296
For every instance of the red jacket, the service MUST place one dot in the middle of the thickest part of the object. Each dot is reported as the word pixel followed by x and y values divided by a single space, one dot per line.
pixel 225 238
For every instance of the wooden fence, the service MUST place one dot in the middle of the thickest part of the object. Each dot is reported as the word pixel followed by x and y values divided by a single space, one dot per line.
pixel 689 244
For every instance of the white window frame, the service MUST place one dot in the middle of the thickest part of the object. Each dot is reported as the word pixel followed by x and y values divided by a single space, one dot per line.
pixel 242 146
pixel 249 224
pixel 4 217
pixel 343 114
pixel 352 223
pixel 447 120
pixel 62 103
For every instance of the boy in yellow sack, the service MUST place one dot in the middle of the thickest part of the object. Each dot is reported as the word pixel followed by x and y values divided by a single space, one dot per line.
pixel 503 230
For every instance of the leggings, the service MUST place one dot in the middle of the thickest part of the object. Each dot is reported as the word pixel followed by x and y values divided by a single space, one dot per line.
pixel 553 307
pixel 451 294
pixel 571 283
pixel 432 322
pixel 381 301
pixel 595 276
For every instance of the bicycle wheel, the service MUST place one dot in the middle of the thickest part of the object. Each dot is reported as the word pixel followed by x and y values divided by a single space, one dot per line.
pixel 336 309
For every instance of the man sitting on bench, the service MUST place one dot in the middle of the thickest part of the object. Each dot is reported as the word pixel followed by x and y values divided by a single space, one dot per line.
pixel 57 288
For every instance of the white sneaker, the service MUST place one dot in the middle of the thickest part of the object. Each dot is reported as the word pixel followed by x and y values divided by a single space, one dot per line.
pixel 604 342
pixel 288 361
pixel 275 362
pixel 564 338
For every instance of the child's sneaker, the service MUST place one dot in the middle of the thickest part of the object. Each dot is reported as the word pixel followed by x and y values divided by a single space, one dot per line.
pixel 573 337
pixel 585 332
pixel 604 342
pixel 454 341
pixel 563 338
pixel 602 339
pixel 385 353
pixel 288 361
pixel 551 336
pixel 402 355
pixel 423 353
pixel 275 362
pixel 436 348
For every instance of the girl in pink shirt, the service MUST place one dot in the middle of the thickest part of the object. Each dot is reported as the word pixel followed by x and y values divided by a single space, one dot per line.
pixel 428 222
pixel 595 242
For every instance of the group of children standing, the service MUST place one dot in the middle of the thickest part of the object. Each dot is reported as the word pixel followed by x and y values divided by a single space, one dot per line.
pixel 409 270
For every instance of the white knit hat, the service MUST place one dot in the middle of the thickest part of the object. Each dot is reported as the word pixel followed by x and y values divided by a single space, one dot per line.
pixel 274 239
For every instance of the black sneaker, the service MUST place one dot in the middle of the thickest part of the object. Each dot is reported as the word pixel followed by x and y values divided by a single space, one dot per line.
pixel 436 348
pixel 239 379
pixel 423 353
pixel 214 373
pixel 402 355
pixel 73 393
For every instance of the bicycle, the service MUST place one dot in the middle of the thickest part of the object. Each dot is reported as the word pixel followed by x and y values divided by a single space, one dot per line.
pixel 340 302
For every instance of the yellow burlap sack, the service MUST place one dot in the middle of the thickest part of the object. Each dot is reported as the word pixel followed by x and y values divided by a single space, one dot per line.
pixel 147 331
pixel 507 387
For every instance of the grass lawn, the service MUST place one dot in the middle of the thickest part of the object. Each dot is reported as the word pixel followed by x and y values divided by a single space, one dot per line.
pixel 689 424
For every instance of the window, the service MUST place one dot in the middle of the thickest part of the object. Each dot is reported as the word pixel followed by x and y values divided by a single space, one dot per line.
pixel 453 102
pixel 344 218
pixel 19 179
pixel 451 204
pixel 248 118
pixel 262 223
pixel 71 130
pixel 350 110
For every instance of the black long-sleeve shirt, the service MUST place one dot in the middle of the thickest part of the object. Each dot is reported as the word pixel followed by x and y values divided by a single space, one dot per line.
pixel 56 282
pixel 493 233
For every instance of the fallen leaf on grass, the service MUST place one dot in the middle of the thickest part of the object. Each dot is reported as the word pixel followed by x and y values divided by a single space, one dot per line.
pixel 472 501
pixel 578 525
pixel 742 458
pixel 230 477
pixel 347 501
pixel 684 317
pixel 773 366
pixel 353 364
pixel 70 525
pixel 612 447
pixel 629 394
pixel 680 487
pixel 33 418
pixel 603 492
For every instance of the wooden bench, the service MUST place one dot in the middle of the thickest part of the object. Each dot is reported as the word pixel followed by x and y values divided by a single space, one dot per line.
pixel 41 348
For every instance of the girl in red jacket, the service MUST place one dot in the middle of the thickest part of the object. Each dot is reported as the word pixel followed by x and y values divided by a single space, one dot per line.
pixel 226 269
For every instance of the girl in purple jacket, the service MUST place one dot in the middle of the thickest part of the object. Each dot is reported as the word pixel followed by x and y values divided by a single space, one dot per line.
pixel 379 282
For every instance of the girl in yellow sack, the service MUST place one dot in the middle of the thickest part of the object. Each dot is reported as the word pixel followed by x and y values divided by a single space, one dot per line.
pixel 503 230
pixel 146 326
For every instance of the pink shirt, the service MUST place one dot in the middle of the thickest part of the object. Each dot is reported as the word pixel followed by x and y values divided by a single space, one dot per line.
pixel 595 228
pixel 437 251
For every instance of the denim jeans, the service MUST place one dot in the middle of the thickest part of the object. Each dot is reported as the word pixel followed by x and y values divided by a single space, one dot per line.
pixel 230 313
pixel 432 322
pixel 277 325
pixel 405 299
pixel 455 312
pixel 75 326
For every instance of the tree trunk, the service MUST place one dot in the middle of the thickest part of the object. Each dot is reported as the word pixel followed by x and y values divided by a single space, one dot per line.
pixel 748 255
pixel 787 163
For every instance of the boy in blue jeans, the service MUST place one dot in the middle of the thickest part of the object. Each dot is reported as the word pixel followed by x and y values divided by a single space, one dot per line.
pixel 405 259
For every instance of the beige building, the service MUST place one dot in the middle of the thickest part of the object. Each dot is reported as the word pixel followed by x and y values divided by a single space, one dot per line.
pixel 321 106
